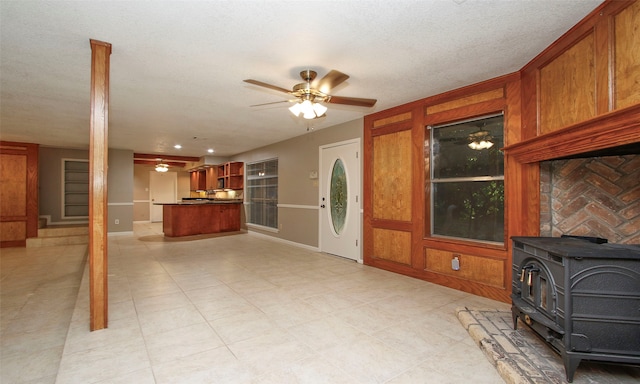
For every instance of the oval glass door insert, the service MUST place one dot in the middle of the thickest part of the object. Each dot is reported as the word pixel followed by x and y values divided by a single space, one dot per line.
pixel 338 196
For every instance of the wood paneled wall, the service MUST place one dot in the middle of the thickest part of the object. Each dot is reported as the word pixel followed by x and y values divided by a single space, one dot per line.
pixel 389 208
pixel 18 193
pixel 626 56
pixel 591 70
pixel 392 163
pixel 587 81
pixel 396 206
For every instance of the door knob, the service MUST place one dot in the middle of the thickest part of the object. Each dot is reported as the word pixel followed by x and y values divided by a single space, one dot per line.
pixel 322 206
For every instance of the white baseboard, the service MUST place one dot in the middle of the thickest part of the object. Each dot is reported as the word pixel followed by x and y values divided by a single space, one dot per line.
pixel 300 245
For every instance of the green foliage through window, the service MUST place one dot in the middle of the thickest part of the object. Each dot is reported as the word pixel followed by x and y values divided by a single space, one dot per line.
pixel 467 184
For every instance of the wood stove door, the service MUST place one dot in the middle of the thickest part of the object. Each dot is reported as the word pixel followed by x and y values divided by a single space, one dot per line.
pixel 538 288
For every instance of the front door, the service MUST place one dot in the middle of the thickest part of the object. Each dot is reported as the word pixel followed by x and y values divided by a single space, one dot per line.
pixel 340 199
pixel 163 188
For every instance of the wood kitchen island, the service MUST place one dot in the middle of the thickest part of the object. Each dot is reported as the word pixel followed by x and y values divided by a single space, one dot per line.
pixel 188 219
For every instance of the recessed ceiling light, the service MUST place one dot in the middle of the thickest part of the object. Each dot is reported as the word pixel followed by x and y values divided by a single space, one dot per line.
pixel 177 146
pixel 210 150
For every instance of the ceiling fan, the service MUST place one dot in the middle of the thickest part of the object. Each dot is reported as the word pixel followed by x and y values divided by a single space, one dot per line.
pixel 311 93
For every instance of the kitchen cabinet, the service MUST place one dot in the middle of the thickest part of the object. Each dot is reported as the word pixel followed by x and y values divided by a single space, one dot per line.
pixel 198 180
pixel 231 175
pixel 184 219
pixel 211 175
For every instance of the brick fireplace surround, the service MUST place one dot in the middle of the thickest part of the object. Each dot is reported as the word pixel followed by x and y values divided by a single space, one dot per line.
pixel 596 196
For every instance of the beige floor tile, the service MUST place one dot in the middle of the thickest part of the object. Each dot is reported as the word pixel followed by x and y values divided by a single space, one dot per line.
pixel 271 297
pixel 241 326
pixel 214 366
pixel 292 313
pixel 309 371
pixel 80 338
pixel 247 287
pixel 161 302
pixel 142 376
pixel 103 362
pixel 368 359
pixel 274 350
pixel 415 339
pixel 168 319
pixel 30 366
pixel 331 302
pixel 369 319
pixel 195 280
pixel 26 342
pixel 181 342
pixel 461 364
pixel 219 302
pixel 236 309
pixel 121 310
pixel 325 333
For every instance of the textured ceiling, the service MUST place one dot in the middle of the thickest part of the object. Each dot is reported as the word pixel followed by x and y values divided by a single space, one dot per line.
pixel 177 66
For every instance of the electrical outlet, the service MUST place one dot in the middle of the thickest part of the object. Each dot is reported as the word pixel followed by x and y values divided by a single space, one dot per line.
pixel 117 221
pixel 455 263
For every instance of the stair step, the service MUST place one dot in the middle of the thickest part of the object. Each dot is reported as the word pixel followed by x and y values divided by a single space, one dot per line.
pixel 63 231
pixel 53 241
pixel 61 235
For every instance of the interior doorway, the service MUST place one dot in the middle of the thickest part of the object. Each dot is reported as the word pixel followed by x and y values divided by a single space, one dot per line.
pixel 340 199
pixel 163 188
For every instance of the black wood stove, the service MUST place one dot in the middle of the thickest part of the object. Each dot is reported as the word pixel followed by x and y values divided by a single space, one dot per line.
pixel 581 295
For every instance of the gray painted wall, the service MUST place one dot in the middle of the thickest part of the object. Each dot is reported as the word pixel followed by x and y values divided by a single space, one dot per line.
pixel 119 192
pixel 296 158
pixel 50 181
pixel 128 184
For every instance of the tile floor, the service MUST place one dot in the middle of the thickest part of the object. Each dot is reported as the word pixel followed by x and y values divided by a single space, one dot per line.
pixel 234 309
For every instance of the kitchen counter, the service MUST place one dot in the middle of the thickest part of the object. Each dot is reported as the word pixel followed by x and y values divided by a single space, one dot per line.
pixel 200 202
pixel 196 217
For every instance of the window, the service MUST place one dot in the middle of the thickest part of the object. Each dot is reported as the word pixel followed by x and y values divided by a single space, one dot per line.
pixel 75 193
pixel 262 193
pixel 467 179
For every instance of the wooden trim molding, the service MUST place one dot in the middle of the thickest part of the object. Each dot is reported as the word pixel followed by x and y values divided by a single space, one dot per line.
pixel 614 129
pixel 147 156
pixel 155 162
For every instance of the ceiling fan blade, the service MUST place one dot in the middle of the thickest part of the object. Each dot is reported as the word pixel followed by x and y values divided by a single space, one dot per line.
pixel 357 101
pixel 331 80
pixel 273 102
pixel 261 84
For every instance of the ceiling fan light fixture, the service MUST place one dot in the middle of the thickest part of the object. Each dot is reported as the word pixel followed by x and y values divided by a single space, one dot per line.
pixel 319 109
pixel 296 109
pixel 480 140
pixel 480 145
pixel 162 167
pixel 309 94
pixel 308 109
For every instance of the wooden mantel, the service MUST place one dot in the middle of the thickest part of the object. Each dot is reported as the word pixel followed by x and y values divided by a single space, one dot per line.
pixel 610 130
